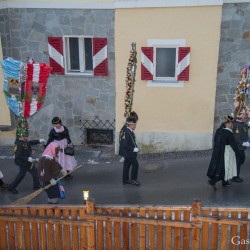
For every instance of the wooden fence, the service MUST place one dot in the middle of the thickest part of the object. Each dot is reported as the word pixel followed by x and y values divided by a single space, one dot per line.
pixel 123 227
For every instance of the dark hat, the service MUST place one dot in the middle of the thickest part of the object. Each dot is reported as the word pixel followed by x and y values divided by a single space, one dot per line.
pixel 56 120
pixel 229 118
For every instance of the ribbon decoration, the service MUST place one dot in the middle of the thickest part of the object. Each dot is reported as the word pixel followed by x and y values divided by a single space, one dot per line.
pixel 35 87
pixel 12 86
pixel 25 85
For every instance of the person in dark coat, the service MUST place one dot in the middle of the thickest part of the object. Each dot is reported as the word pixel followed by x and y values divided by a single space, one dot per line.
pixel 130 151
pixel 240 131
pixel 225 153
pixel 133 115
pixel 23 157
pixel 49 169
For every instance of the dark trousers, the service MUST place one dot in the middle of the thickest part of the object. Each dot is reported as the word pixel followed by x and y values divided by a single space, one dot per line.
pixel 240 160
pixel 22 172
pixel 126 166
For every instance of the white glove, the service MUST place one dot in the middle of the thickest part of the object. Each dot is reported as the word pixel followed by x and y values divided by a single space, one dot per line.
pixel 136 150
pixel 30 159
pixel 63 172
pixel 42 141
pixel 246 144
pixel 53 182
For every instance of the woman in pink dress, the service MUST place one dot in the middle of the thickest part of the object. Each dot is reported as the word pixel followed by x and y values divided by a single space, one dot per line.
pixel 60 134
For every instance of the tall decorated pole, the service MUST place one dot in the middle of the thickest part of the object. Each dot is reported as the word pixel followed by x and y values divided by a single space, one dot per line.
pixel 130 80
pixel 24 88
pixel 241 110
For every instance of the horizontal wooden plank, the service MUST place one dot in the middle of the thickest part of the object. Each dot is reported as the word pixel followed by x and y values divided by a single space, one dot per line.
pixel 223 220
pixel 46 221
pixel 143 221
pixel 230 209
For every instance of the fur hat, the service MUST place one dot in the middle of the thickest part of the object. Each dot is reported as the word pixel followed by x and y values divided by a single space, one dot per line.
pixel 134 115
pixel 22 128
pixel 56 120
pixel 131 120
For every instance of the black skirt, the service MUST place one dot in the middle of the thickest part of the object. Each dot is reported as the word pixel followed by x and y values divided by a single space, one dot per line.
pixel 53 191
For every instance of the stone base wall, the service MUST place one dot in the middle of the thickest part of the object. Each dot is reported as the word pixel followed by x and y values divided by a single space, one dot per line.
pixel 156 142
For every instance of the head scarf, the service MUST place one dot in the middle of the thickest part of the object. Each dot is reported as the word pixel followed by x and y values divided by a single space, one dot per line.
pixel 51 150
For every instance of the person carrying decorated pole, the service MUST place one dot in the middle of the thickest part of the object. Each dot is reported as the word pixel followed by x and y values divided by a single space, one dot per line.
pixel 48 171
pixel 241 116
pixel 23 156
pixel 127 143
pixel 130 83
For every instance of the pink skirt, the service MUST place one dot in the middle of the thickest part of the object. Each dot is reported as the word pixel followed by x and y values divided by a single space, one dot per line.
pixel 66 161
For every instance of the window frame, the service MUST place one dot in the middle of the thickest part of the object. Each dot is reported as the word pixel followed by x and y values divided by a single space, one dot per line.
pixel 81 52
pixel 165 81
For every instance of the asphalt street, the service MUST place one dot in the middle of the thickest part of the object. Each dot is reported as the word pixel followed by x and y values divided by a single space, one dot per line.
pixel 164 181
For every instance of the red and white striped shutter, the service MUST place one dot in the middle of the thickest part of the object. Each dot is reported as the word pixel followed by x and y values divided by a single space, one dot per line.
pixel 183 64
pixel 56 55
pixel 100 56
pixel 147 66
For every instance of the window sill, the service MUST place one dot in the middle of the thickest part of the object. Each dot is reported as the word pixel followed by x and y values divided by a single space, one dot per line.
pixel 80 74
pixel 171 84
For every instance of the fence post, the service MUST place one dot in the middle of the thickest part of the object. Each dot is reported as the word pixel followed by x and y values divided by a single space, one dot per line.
pixel 196 210
pixel 91 228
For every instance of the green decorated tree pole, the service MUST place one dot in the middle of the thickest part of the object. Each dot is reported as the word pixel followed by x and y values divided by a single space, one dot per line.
pixel 241 110
pixel 130 80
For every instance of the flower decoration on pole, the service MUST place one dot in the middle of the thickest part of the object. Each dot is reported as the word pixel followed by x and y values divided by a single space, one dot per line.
pixel 241 110
pixel 130 80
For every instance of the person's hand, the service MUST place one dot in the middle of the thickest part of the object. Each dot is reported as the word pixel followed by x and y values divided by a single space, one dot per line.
pixel 42 141
pixel 246 144
pixel 136 150
pixel 64 172
pixel 30 159
pixel 53 182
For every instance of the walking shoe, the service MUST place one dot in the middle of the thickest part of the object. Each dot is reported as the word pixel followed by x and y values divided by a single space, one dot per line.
pixel 236 179
pixel 212 186
pixel 136 183
pixel 127 182
pixel 4 186
pixel 13 191
pixel 226 184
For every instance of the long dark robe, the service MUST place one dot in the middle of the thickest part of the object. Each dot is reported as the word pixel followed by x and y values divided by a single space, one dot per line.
pixel 222 138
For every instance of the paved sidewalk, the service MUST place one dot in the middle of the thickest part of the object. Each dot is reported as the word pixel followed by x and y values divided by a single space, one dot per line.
pixel 167 179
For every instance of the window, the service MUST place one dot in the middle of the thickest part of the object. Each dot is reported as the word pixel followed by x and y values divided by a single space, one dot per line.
pixel 165 62
pixel 74 55
pixel 78 55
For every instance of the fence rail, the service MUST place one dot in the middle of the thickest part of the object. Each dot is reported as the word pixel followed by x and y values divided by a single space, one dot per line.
pixel 123 227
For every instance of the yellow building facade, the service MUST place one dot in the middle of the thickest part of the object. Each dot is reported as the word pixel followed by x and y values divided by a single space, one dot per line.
pixel 172 116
